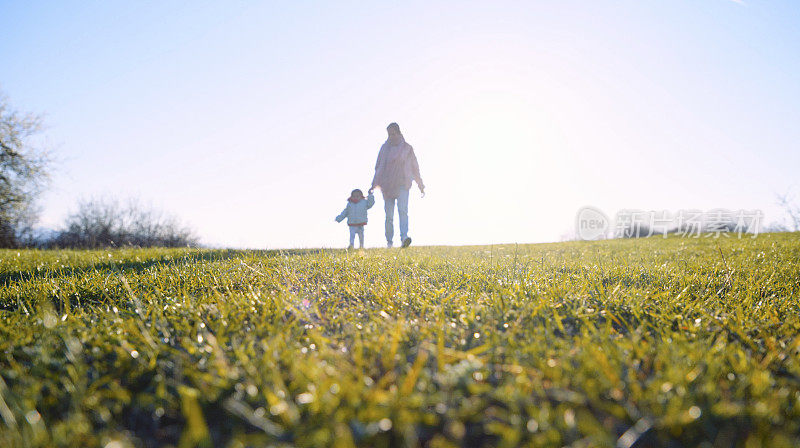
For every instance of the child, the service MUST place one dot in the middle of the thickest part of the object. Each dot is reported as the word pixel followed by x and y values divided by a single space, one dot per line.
pixel 356 214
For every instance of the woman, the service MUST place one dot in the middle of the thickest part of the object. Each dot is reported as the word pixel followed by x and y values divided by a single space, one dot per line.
pixel 396 167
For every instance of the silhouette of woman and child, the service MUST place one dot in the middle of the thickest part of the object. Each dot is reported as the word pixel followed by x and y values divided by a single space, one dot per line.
pixel 395 169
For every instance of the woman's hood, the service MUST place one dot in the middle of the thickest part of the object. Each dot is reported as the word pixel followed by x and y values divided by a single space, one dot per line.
pixel 400 141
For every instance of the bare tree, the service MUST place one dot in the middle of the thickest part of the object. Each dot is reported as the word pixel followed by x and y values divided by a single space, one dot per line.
pixel 792 211
pixel 23 173
pixel 106 223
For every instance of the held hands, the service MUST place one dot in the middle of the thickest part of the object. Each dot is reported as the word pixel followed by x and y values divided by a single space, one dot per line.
pixel 421 190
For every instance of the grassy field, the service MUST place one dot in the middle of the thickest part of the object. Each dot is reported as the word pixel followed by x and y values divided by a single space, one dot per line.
pixel 653 342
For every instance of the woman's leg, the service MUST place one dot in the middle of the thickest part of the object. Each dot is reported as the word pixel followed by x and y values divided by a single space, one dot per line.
pixel 388 207
pixel 402 210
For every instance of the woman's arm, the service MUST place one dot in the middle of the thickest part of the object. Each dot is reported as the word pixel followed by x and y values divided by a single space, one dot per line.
pixel 415 170
pixel 379 165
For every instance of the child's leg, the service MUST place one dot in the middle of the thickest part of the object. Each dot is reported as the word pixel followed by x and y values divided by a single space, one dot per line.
pixel 353 230
pixel 361 236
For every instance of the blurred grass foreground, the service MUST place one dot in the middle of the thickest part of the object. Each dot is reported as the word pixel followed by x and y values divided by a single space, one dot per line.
pixel 622 343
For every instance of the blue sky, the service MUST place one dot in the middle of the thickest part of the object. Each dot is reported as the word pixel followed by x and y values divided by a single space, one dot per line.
pixel 252 121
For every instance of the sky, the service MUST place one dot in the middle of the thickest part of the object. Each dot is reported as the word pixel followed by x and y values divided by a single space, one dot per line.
pixel 252 121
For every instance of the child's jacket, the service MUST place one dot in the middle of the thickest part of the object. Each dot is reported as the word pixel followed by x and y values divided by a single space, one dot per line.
pixel 356 212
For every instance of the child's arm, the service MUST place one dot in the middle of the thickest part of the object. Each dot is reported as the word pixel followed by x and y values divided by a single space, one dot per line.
pixel 370 201
pixel 342 215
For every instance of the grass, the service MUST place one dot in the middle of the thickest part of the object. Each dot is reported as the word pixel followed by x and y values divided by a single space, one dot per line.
pixel 651 342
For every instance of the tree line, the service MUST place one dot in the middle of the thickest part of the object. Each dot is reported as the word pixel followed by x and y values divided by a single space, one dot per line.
pixel 25 169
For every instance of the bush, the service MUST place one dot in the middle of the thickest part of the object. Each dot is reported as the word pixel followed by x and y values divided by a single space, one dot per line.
pixel 105 223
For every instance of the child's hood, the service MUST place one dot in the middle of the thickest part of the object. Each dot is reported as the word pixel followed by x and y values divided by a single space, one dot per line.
pixel 356 201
